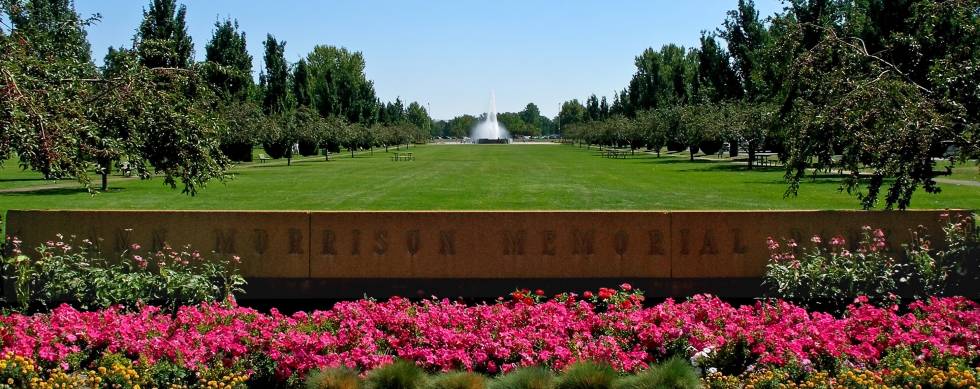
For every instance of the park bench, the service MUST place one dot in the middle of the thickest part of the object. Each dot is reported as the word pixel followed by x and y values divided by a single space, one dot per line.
pixel 403 157
pixel 263 158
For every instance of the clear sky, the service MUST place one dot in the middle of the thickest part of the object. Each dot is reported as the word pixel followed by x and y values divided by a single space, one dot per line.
pixel 450 54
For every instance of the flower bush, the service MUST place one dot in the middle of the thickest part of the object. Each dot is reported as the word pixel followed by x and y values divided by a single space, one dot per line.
pixel 825 273
pixel 222 339
pixel 65 271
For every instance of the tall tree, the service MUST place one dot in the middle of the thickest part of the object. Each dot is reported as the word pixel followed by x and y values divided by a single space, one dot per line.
pixel 592 110
pixel 275 77
pixel 228 65
pixel 302 89
pixel 340 86
pixel 718 80
pixel 53 26
pixel 162 39
pixel 746 35
pixel 418 116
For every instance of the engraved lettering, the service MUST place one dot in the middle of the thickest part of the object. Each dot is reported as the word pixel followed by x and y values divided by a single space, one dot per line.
pixel 621 242
pixel 548 246
pixel 380 242
pixel 261 241
pixel 583 242
pixel 295 241
pixel 329 240
pixel 738 247
pixel 224 241
pixel 355 244
pixel 656 243
pixel 514 242
pixel 685 241
pixel 708 247
pixel 447 242
pixel 413 240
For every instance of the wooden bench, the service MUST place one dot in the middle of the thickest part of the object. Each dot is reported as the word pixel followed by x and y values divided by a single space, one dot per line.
pixel 263 158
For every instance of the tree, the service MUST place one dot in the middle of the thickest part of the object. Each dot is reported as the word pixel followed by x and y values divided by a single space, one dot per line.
pixel 302 89
pixel 592 110
pixel 274 78
pixel 162 40
pixel 571 112
pixel 418 117
pixel 652 124
pixel 340 86
pixel 61 116
pixel 882 91
pixel 746 35
pixel 717 79
pixel 228 65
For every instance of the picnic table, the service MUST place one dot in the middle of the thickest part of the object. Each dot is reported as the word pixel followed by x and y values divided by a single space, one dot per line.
pixel 263 158
pixel 616 153
pixel 403 157
pixel 763 159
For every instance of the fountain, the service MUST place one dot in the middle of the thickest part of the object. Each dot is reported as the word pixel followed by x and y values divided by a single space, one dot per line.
pixel 489 131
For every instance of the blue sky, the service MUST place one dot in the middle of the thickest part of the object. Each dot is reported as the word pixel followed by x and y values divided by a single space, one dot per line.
pixel 450 54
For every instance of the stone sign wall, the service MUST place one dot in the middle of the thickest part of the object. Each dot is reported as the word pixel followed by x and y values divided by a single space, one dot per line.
pixel 470 245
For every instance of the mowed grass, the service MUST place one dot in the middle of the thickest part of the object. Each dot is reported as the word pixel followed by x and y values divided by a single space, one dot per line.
pixel 471 177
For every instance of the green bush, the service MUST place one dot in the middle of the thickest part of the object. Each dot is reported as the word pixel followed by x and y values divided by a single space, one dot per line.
pixel 826 273
pixel 525 378
pixel 398 375
pixel 64 270
pixel 457 380
pixel 587 375
pixel 675 373
pixel 333 378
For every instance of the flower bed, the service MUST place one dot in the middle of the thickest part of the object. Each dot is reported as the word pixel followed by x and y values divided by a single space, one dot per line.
pixel 528 329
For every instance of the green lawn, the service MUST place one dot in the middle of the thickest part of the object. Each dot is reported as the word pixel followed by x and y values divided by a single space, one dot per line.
pixel 455 177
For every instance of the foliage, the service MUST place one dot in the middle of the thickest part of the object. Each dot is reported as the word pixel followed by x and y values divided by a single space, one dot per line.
pixel 333 378
pixel 440 335
pixel 827 274
pixel 674 373
pixel 162 40
pixel 457 380
pixel 78 272
pixel 228 65
pixel 525 378
pixel 586 375
pixel 273 81
pixel 398 375
pixel 60 116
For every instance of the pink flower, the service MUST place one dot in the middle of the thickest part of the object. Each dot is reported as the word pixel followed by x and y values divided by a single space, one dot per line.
pixel 816 239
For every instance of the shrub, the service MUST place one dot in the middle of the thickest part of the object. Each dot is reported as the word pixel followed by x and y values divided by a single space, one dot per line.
pixel 398 375
pixel 333 378
pixel 525 378
pixel 587 375
pixel 457 380
pixel 826 274
pixel 64 270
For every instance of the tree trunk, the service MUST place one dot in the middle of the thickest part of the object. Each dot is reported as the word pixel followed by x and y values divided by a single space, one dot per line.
pixel 693 151
pixel 352 152
pixel 732 149
pixel 751 147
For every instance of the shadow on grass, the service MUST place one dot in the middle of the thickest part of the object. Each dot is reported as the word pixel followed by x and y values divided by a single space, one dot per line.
pixel 54 192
